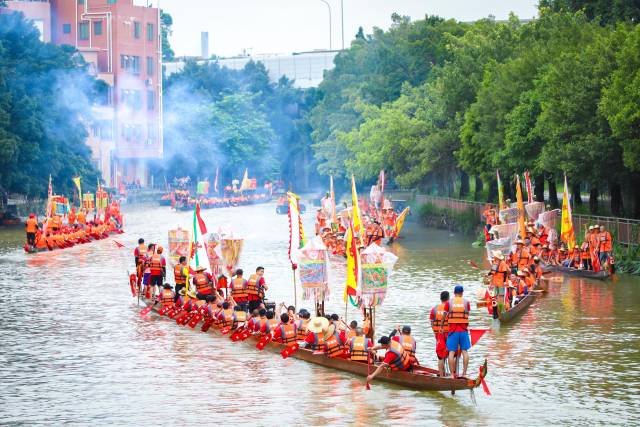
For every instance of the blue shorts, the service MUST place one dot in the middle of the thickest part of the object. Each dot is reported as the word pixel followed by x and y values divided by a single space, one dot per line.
pixel 460 339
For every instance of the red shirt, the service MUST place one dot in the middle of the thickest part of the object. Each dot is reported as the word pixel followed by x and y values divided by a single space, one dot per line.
pixel 390 357
pixel 457 327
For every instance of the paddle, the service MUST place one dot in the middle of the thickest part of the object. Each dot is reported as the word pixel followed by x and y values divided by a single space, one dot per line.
pixel 164 310
pixel 207 324
pixel 368 386
pixel 146 310
pixel 474 265
pixel 132 284
pixel 289 350
pixel 263 342
pixel 195 320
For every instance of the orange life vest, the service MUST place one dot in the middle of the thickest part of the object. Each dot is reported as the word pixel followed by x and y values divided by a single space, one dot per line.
pixel 181 279
pixel 202 283
pixel 333 346
pixel 239 289
pixel 458 312
pixel 318 341
pixel 440 323
pixel 167 298
pixel 359 348
pixel 227 317
pixel 350 334
pixel 239 317
pixel 402 361
pixel 81 218
pixel 155 264
pixel 605 242
pixel 288 334
pixel 32 225
pixel 409 345
pixel 252 288
pixel 301 327
pixel 499 274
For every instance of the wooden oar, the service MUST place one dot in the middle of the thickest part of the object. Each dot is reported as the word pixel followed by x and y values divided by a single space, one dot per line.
pixel 474 265
pixel 368 386
pixel 146 310
pixel 207 324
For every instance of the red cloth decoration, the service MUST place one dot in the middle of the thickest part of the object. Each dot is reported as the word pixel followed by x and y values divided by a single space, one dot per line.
pixel 485 387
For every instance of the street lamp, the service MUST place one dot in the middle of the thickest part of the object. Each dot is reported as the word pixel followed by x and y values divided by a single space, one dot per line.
pixel 342 19
pixel 329 7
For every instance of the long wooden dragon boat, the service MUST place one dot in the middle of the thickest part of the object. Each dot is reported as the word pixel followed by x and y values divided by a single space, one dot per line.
pixel 588 274
pixel 421 378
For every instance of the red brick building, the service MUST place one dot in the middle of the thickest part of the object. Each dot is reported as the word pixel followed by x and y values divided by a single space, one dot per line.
pixel 122 44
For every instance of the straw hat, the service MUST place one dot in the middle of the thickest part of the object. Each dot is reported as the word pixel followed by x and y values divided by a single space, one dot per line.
pixel 200 268
pixel 521 273
pixel 191 294
pixel 591 227
pixel 498 254
pixel 317 324
pixel 519 242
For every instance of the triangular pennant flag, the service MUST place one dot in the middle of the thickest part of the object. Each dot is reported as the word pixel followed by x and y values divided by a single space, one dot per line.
pixel 476 334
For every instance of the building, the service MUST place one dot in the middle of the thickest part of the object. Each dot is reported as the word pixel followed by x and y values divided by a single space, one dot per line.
pixel 306 68
pixel 121 43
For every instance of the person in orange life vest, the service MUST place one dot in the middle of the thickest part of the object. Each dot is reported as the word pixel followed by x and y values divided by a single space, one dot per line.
pixel 301 324
pixel 157 270
pixel 239 317
pixel 320 221
pixel 226 317
pixel 375 233
pixel 499 272
pixel 201 283
pixel 346 335
pixel 139 255
pixel 167 296
pixel 71 218
pixel 82 218
pixel 575 260
pixel 315 334
pixel 522 288
pixel 272 323
pixel 520 258
pixel 180 273
pixel 359 346
pixel 536 268
pixel 260 325
pixel 239 289
pixel 407 341
pixel 440 327
pixel 285 333
pixel 585 256
pixel 333 343
pixel 31 228
pixel 256 288
pixel 253 320
pixel 41 241
pixel 458 310
pixel 396 357
pixel 605 245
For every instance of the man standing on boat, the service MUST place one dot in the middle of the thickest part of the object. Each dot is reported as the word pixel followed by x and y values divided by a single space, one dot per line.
pixel 31 227
pixel 605 245
pixel 239 290
pixel 458 339
pixel 440 326
pixel 139 255
pixel 256 287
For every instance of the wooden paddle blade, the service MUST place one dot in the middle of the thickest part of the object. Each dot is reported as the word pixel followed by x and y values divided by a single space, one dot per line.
pixel 146 311
pixel 225 331
pixel 368 386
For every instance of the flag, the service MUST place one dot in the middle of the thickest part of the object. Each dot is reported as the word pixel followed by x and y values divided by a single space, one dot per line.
pixel 296 230
pixel 400 222
pixel 49 200
pixel 357 219
pixel 198 224
pixel 246 184
pixel 520 203
pixel 333 201
pixel 566 229
pixel 215 182
pixel 76 181
pixel 354 273
pixel 381 182
pixel 476 334
pixel 527 183
pixel 500 194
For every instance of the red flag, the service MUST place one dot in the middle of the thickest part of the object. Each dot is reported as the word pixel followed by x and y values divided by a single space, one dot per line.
pixel 203 227
pixel 476 334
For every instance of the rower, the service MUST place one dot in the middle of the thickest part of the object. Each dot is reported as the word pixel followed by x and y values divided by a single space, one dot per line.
pixel 139 255
pixel 239 317
pixel 520 258
pixel 256 287
pixel 458 339
pixel 395 357
pixel 346 335
pixel 315 335
pixel 605 245
pixel 301 324
pixel 180 273
pixel 285 333
pixel 146 265
pixel 167 296
pixel 359 346
pixel 226 317
pixel 239 289
pixel 261 324
pixel 202 283
pixel 499 271
pixel 272 323
pixel 407 342
pixel 333 343
pixel 440 327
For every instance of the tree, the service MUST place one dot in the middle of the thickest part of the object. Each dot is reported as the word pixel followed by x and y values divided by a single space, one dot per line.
pixel 166 21
pixel 42 110
pixel 605 11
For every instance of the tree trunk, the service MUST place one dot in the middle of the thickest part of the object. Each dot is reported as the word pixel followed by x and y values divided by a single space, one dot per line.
pixel 553 193
pixel 636 194
pixel 538 182
pixel 593 200
pixel 464 184
pixel 575 194
pixel 479 188
pixel 493 191
pixel 616 198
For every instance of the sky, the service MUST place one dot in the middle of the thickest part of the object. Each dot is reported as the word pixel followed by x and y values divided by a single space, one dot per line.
pixel 286 26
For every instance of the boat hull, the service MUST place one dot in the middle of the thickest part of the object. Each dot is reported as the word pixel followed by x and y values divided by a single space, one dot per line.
pixel 518 309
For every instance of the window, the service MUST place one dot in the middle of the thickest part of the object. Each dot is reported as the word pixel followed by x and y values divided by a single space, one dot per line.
pixel 83 30
pixel 150 32
pixel 81 2
pixel 132 132
pixel 131 98
pixel 136 29
pixel 149 65
pixel 97 28
pixel 111 1
pixel 130 63
pixel 152 133
pixel 151 100
pixel 66 28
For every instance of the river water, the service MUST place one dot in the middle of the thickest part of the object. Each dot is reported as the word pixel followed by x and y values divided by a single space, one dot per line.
pixel 74 349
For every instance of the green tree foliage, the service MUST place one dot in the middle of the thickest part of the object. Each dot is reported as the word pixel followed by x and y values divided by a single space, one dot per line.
pixel 235 119
pixel 166 21
pixel 42 108
pixel 605 11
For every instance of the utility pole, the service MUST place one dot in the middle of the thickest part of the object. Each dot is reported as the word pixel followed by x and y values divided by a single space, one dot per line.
pixel 329 7
pixel 342 19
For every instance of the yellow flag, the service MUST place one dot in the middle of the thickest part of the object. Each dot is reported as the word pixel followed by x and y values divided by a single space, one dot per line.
pixel 400 222
pixel 76 181
pixel 357 219
pixel 566 229
pixel 353 267
pixel 520 205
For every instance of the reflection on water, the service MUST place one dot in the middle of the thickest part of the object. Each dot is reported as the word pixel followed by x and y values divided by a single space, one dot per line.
pixel 75 350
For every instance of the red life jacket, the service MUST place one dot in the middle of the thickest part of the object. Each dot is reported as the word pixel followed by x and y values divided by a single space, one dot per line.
pixel 155 265
pixel 288 334
pixel 440 323
pixel 202 284
pixel 167 298
pixel 458 312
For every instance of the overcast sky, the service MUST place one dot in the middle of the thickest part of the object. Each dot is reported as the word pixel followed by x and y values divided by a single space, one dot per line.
pixel 285 26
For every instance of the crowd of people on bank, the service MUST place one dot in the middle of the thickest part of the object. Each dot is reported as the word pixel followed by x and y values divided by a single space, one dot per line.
pixel 64 231
pixel 240 305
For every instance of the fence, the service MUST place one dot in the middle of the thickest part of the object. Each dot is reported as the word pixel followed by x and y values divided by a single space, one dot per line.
pixel 626 231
